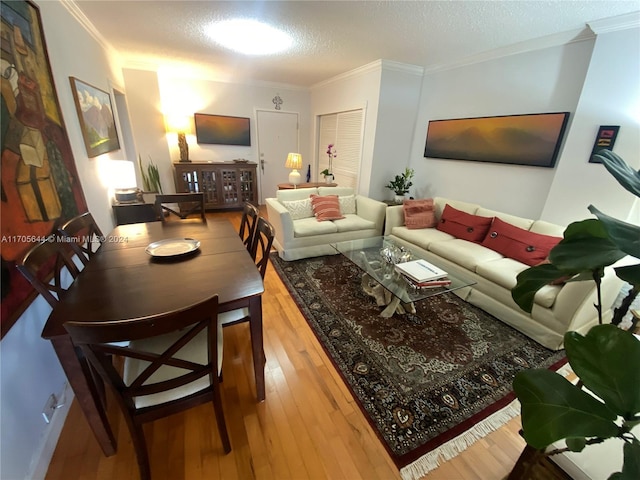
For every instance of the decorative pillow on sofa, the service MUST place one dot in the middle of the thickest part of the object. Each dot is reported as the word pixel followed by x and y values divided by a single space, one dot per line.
pixel 326 207
pixel 347 204
pixel 463 225
pixel 299 208
pixel 522 245
pixel 419 213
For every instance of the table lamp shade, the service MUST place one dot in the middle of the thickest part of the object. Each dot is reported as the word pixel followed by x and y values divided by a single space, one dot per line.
pixel 294 161
pixel 122 178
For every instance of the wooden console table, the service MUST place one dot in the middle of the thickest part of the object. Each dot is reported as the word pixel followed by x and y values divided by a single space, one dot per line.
pixel 226 185
pixel 290 186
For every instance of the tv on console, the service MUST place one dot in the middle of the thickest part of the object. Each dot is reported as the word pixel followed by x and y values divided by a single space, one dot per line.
pixel 222 129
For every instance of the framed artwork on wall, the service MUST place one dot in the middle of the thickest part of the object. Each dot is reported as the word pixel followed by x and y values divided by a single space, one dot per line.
pixel 222 129
pixel 40 185
pixel 95 114
pixel 605 140
pixel 532 139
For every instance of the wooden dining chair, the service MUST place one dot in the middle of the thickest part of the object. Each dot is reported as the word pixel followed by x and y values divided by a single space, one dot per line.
pixel 86 234
pixel 44 266
pixel 250 214
pixel 173 363
pixel 188 204
pixel 260 248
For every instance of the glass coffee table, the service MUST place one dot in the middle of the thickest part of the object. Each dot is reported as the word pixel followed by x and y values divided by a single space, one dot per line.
pixel 376 258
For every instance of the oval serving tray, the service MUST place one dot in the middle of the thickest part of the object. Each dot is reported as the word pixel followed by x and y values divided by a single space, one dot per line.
pixel 172 247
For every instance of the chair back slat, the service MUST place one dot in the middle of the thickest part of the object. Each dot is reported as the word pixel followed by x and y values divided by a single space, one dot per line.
pixel 188 204
pixel 250 214
pixel 43 266
pixel 262 242
pixel 87 236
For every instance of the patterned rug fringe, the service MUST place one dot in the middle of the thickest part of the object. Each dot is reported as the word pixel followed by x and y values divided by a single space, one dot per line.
pixel 454 447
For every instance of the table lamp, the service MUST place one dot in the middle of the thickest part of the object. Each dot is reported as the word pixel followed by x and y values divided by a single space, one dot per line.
pixel 122 175
pixel 294 161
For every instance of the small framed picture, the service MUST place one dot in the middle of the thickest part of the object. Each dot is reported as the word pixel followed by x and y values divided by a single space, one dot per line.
pixel 605 139
pixel 97 121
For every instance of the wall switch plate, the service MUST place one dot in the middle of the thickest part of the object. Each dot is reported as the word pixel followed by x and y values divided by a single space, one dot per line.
pixel 50 407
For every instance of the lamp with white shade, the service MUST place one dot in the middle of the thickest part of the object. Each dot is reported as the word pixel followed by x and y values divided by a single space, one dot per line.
pixel 122 178
pixel 294 161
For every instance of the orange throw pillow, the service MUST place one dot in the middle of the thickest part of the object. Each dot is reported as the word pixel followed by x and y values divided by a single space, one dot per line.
pixel 464 225
pixel 326 207
pixel 419 213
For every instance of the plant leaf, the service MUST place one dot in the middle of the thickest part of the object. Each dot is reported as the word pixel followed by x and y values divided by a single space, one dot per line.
pixel 621 171
pixel 576 444
pixel 586 246
pixel 531 280
pixel 631 465
pixel 625 235
pixel 630 274
pixel 603 359
pixel 553 408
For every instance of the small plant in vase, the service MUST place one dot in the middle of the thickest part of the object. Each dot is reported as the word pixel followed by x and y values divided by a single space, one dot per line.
pixel 328 172
pixel 401 184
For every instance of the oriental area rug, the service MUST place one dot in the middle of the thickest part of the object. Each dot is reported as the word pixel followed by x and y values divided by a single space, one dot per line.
pixel 430 383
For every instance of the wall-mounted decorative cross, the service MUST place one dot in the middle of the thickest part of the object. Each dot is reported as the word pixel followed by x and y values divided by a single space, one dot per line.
pixel 277 101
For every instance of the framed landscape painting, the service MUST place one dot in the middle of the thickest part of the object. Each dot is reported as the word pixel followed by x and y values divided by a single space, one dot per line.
pixel 97 122
pixel 532 139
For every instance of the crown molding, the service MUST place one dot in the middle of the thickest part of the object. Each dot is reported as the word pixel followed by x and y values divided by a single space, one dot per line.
pixel 402 67
pixel 614 24
pixel 548 41
pixel 74 10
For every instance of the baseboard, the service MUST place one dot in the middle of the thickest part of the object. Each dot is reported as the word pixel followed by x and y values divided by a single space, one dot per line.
pixel 43 454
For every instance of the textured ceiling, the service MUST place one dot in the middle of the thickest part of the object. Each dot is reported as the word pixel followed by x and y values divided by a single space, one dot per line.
pixel 335 37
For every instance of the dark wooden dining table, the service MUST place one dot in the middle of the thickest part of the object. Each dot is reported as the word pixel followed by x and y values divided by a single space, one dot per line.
pixel 123 281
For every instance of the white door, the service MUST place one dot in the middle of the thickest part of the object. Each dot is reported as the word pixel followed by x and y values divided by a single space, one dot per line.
pixel 277 136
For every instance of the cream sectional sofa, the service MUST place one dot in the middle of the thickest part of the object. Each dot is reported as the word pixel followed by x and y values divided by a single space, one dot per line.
pixel 300 235
pixel 557 308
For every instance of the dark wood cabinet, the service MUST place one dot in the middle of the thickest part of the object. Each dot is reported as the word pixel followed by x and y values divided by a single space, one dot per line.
pixel 226 185
pixel 126 213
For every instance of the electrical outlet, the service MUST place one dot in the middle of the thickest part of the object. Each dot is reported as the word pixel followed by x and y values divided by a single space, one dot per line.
pixel 51 406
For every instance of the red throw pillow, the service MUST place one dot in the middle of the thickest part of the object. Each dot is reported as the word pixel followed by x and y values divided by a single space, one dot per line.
pixel 326 207
pixel 520 244
pixel 419 213
pixel 463 225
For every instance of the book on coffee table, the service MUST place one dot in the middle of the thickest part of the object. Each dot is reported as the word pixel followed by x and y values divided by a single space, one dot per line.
pixel 420 271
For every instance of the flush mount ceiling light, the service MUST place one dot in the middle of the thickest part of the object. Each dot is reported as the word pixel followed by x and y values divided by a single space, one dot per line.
pixel 249 37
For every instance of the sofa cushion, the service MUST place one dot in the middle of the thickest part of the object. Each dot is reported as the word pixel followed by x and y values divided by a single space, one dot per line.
pixel 464 253
pixel 308 227
pixel 464 225
pixel 299 208
pixel 353 223
pixel 423 237
pixel 326 207
pixel 522 245
pixel 347 204
pixel 295 194
pixel 419 213
pixel 504 271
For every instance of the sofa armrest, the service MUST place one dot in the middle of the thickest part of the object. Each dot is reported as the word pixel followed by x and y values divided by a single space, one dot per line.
pixel 395 218
pixel 372 210
pixel 281 220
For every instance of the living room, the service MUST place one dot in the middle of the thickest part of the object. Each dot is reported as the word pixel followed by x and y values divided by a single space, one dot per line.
pixel 595 78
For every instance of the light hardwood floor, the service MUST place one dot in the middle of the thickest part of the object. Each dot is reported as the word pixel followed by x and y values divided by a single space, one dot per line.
pixel 309 426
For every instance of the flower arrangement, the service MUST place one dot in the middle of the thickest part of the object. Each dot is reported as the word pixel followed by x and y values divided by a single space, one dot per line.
pixel 402 183
pixel 332 153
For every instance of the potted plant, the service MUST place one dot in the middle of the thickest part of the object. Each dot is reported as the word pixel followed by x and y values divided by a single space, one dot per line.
pixel 401 184
pixel 150 178
pixel 606 359
pixel 328 172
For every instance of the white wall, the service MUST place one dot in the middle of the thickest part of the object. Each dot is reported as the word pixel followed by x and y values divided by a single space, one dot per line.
pixel 548 80
pixel 610 96
pixel 30 371
pixel 155 97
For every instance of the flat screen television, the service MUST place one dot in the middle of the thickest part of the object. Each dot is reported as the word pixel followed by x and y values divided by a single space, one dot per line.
pixel 222 130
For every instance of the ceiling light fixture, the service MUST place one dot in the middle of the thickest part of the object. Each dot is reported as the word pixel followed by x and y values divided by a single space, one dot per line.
pixel 249 37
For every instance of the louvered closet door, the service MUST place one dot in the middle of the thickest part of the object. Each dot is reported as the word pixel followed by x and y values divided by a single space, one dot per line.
pixel 344 130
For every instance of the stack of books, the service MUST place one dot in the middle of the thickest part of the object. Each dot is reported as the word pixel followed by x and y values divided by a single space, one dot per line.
pixel 423 274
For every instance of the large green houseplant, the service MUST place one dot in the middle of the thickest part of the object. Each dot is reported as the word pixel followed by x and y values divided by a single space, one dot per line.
pixel 606 360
